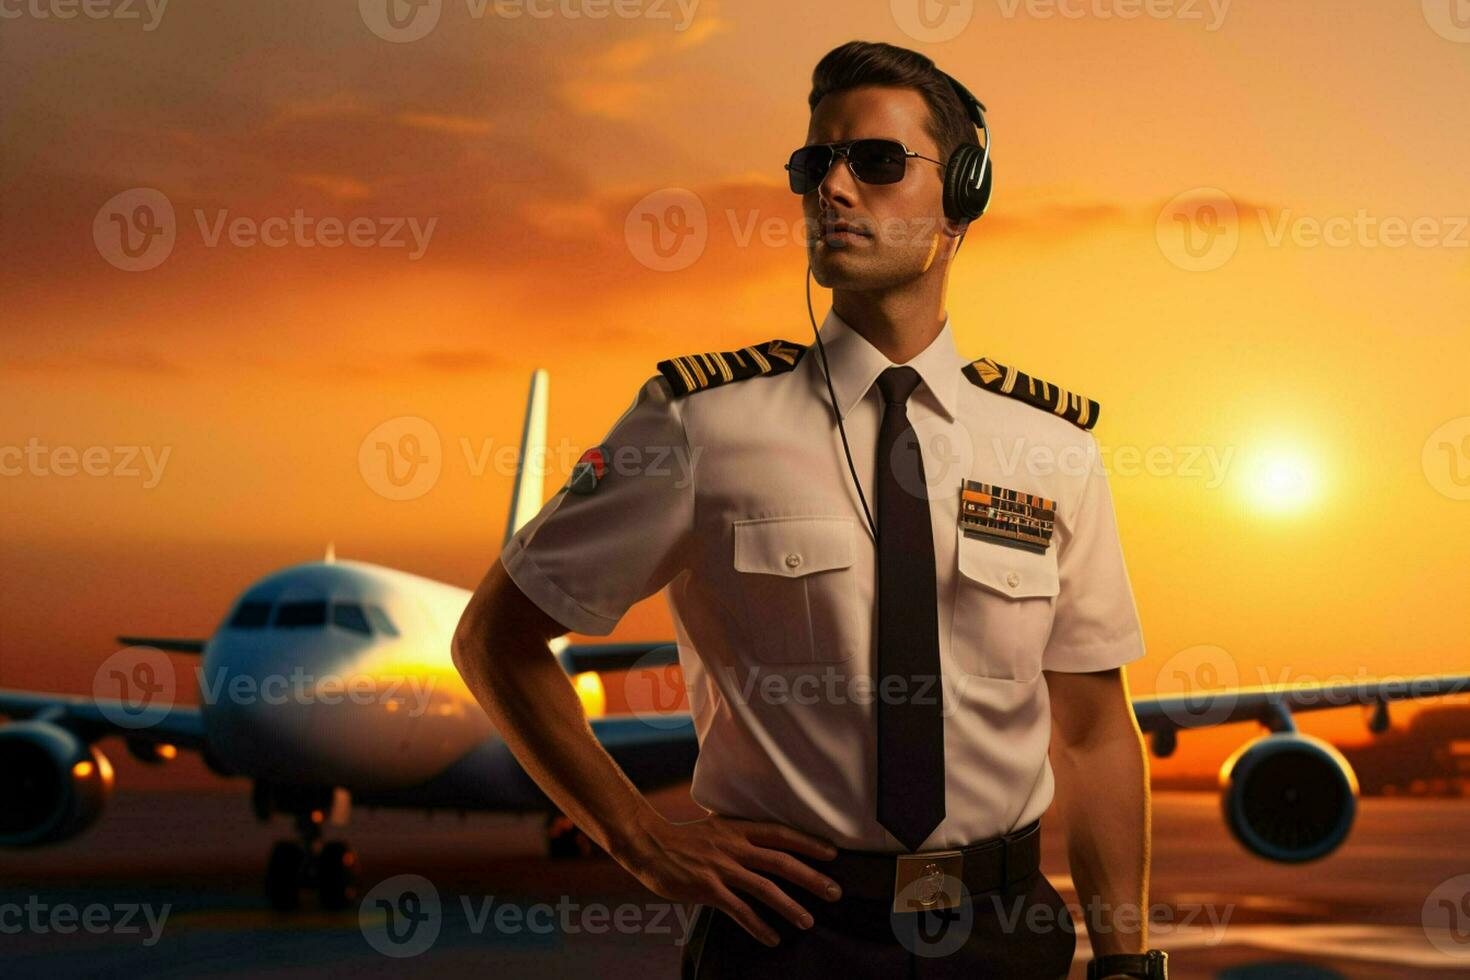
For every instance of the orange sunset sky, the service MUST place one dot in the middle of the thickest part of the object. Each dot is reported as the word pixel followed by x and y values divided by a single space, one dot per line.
pixel 1304 398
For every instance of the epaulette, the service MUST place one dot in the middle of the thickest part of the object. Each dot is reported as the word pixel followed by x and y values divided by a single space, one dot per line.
pixel 995 377
pixel 697 372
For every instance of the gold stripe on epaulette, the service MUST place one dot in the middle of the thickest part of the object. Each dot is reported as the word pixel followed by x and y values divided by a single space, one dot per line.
pixel 764 364
pixel 684 374
pixel 724 366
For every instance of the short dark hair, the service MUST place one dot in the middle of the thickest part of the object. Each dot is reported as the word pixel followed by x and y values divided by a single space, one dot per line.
pixel 859 63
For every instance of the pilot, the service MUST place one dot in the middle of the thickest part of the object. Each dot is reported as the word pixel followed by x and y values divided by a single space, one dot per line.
pixel 899 594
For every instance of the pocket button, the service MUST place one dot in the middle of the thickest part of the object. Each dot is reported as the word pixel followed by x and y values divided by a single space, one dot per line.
pixel 1013 579
pixel 793 560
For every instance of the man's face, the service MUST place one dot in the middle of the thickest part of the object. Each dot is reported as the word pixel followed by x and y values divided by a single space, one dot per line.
pixel 897 223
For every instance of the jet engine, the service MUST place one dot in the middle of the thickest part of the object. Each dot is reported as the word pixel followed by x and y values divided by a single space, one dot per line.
pixel 54 784
pixel 1289 797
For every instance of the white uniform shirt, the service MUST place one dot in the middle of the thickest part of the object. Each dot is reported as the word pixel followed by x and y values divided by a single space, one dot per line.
pixel 738 499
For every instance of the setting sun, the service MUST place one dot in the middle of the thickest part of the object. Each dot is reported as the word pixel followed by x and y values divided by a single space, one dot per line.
pixel 1282 480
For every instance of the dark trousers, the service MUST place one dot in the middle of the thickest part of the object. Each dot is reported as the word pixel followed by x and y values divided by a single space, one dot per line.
pixel 1022 931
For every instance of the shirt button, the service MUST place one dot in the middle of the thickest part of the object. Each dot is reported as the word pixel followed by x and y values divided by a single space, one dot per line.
pixel 792 560
pixel 1012 579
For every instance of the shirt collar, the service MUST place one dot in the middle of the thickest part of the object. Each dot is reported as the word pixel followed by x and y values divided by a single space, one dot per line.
pixel 855 364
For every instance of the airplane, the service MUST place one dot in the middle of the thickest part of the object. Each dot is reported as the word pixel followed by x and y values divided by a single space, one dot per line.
pixel 277 705
pixel 380 717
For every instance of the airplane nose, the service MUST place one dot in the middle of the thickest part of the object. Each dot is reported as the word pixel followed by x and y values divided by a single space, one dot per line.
pixel 258 700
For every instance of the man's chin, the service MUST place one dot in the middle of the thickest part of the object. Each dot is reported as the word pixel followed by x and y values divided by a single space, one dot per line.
pixel 839 267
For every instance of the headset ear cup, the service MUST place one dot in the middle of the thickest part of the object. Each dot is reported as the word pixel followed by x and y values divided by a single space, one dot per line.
pixel 982 197
pixel 962 200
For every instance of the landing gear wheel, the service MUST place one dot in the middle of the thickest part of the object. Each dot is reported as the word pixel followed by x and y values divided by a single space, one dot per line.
pixel 283 874
pixel 565 840
pixel 337 878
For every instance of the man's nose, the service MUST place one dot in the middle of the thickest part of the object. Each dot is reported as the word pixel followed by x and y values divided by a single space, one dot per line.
pixel 839 186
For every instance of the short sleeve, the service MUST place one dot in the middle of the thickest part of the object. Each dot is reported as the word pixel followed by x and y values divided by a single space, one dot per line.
pixel 1095 625
pixel 585 558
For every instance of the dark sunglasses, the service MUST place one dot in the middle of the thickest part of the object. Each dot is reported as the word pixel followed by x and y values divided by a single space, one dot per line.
pixel 872 161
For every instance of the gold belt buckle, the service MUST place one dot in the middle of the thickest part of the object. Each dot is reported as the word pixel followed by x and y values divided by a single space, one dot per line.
pixel 928 881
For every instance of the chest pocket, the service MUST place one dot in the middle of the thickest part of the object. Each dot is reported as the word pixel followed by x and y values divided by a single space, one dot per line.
pixel 1004 601
pixel 797 587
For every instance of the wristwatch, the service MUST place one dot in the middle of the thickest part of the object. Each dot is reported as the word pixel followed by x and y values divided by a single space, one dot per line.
pixel 1150 965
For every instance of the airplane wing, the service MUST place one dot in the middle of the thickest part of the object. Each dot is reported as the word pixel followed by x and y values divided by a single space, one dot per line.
pixel 654 750
pixel 1274 706
pixel 163 643
pixel 92 718
pixel 578 657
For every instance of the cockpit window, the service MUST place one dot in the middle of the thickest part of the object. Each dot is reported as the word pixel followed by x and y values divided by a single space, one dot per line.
pixel 380 621
pixel 303 614
pixel 349 616
pixel 252 615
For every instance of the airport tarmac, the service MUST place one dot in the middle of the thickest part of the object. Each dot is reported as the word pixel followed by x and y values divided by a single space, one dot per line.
pixel 169 884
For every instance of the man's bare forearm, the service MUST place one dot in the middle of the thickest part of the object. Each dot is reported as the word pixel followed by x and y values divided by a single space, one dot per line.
pixel 532 703
pixel 1102 791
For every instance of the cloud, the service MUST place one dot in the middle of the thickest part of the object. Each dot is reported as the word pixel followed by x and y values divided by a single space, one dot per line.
pixel 441 123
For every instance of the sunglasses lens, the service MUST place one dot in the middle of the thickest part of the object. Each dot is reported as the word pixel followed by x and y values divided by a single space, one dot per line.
pixel 807 168
pixel 877 161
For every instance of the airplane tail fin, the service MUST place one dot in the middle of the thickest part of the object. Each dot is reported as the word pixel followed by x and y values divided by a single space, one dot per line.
pixel 528 493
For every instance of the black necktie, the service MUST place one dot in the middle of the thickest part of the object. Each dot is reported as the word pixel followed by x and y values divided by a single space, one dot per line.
pixel 910 712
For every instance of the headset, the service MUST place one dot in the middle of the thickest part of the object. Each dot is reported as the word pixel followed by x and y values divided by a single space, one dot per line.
pixel 966 197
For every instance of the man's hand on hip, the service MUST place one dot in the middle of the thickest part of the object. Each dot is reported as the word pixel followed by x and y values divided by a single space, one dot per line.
pixel 711 859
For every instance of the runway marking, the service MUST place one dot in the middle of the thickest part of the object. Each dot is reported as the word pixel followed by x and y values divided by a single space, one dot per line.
pixel 1399 945
pixel 252 919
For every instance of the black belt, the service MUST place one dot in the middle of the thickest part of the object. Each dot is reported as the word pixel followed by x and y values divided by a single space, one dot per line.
pixel 926 880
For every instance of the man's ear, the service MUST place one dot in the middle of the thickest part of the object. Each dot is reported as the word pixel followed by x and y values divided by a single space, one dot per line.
pixel 954 229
